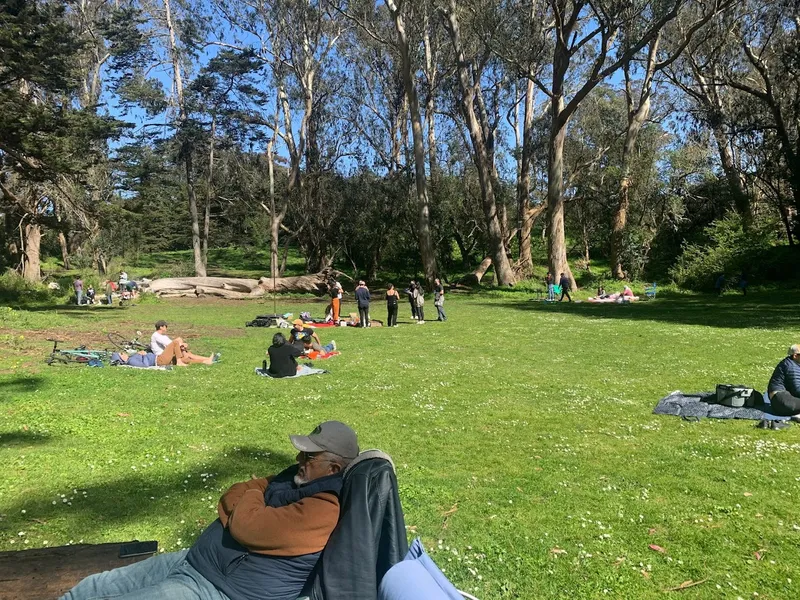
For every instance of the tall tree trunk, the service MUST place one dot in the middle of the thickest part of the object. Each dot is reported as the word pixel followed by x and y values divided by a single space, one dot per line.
pixel 197 251
pixel 556 242
pixel 31 265
pixel 638 113
pixel 186 150
pixel 741 200
pixel 479 130
pixel 424 235
pixel 62 241
pixel 526 216
pixel 209 192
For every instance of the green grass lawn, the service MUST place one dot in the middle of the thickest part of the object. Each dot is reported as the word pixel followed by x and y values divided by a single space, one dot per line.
pixel 527 456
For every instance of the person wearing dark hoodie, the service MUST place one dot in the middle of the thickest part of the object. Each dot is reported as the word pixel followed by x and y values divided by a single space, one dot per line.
pixel 268 537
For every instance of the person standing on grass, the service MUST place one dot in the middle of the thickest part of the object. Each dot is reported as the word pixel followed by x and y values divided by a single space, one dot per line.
pixel 565 285
pixel 549 281
pixel 419 302
pixel 336 300
pixel 743 282
pixel 784 385
pixel 362 298
pixel 78 285
pixel 409 291
pixel 719 285
pixel 438 299
pixel 109 292
pixel 392 302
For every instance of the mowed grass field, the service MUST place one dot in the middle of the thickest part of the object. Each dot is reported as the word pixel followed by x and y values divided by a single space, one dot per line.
pixel 528 457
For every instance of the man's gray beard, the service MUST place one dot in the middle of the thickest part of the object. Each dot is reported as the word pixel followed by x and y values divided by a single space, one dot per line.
pixel 298 481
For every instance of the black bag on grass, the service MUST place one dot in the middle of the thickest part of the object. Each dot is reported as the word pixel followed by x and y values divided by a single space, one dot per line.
pixel 737 396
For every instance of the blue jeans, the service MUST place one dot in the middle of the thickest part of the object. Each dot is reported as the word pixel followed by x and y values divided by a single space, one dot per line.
pixel 328 348
pixel 440 310
pixel 108 299
pixel 79 294
pixel 163 577
pixel 551 294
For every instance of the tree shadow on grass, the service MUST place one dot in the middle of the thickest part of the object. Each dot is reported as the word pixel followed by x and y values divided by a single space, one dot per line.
pixel 23 438
pixel 73 310
pixel 132 500
pixel 771 312
pixel 19 385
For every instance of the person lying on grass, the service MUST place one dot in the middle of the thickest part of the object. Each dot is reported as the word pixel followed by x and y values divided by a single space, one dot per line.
pixel 784 385
pixel 268 537
pixel 313 350
pixel 174 352
pixel 140 359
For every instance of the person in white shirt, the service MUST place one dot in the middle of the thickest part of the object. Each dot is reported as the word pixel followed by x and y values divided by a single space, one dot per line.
pixel 174 352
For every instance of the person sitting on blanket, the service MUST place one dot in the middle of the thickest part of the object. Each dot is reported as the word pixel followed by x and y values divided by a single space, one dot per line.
pixel 313 350
pixel 299 332
pixel 174 352
pixel 268 537
pixel 784 385
pixel 283 358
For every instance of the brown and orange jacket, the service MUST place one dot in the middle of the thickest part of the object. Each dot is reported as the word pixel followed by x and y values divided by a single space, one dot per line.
pixel 298 528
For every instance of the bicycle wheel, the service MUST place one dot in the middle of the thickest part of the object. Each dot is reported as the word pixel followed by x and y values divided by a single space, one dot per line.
pixel 137 345
pixel 118 341
pixel 58 359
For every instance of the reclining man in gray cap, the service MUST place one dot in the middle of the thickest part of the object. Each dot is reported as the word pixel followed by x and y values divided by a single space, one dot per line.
pixel 268 537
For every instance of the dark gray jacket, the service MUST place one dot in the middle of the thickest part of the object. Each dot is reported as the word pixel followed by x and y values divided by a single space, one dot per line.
pixel 370 537
pixel 786 376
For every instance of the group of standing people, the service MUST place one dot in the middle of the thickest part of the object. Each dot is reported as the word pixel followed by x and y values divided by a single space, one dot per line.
pixel 414 292
pixel 126 287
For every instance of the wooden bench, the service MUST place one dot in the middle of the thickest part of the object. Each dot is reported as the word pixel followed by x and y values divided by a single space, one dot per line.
pixel 47 573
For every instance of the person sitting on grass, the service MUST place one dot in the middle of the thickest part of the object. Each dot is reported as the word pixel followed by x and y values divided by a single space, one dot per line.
pixel 784 385
pixel 139 359
pixel 314 350
pixel 283 359
pixel 174 352
pixel 299 332
pixel 269 535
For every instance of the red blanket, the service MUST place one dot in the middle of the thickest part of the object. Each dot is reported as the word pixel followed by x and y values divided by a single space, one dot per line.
pixel 314 355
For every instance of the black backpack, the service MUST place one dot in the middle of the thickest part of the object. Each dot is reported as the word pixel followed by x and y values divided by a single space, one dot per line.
pixel 737 396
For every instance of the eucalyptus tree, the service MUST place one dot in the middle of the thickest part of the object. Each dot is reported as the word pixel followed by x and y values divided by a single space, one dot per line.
pixel 766 71
pixel 473 58
pixel 294 40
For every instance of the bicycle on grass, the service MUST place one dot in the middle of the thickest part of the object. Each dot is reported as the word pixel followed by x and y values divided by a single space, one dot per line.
pixel 126 345
pixel 80 355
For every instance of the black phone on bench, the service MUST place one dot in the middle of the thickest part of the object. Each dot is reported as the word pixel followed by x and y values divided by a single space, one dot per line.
pixel 137 548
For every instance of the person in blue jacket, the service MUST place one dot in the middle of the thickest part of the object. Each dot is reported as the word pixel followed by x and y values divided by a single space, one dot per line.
pixel 784 385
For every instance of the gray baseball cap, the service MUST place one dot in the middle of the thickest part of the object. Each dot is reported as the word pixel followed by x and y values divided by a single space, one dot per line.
pixel 330 436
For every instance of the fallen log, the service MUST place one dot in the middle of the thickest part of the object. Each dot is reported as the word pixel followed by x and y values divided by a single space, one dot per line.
pixel 241 289
pixel 171 284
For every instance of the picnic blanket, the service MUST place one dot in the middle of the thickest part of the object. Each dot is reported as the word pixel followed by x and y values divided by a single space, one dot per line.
pixel 314 355
pixel 302 373
pixel 156 368
pixel 610 300
pixel 700 404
